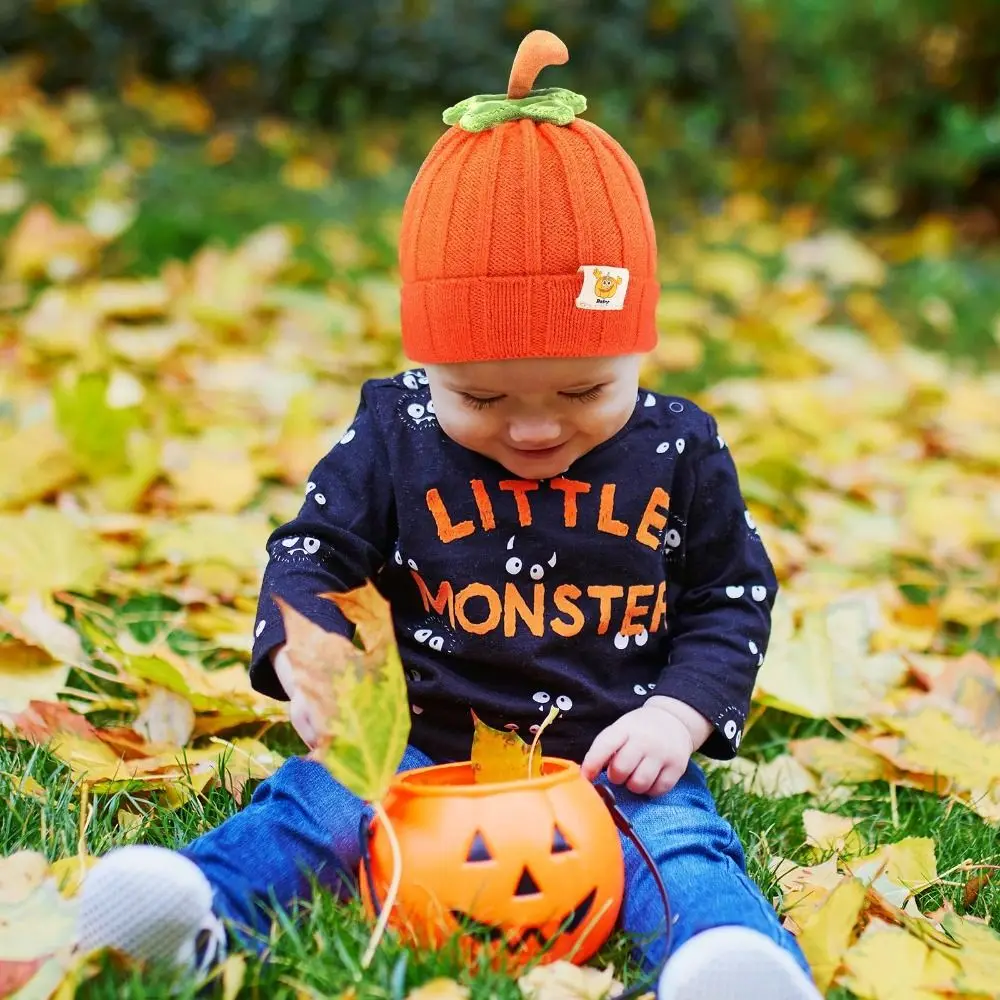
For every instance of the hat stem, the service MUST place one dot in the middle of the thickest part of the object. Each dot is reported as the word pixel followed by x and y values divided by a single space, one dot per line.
pixel 537 50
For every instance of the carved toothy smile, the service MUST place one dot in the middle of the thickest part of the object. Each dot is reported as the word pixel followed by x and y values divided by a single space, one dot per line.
pixel 518 938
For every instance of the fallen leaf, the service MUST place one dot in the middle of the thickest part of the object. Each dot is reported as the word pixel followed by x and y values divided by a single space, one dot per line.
pixel 360 697
pixel 561 980
pixel 828 832
pixel 840 762
pixel 909 863
pixel 825 667
pixel 887 963
pixel 501 755
pixel 440 988
pixel 37 926
pixel 42 551
pixel 37 460
pixel 779 778
pixel 828 932
pixel 164 717
pixel 96 424
pixel 975 885
pixel 979 958
pixel 27 674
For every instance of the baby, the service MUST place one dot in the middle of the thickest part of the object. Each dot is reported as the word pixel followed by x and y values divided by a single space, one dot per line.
pixel 547 533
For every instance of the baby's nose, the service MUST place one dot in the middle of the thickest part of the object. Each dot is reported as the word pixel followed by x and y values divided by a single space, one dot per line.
pixel 537 432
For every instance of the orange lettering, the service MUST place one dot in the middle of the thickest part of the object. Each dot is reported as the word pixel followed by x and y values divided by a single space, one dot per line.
pixel 605 595
pixel 447 531
pixel 484 505
pixel 653 518
pixel 564 596
pixel 606 521
pixel 520 488
pixel 571 489
pixel 492 619
pixel 633 608
pixel 514 605
pixel 659 607
pixel 442 601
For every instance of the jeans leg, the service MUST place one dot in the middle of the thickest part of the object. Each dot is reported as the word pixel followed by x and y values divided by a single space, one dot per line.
pixel 702 864
pixel 299 823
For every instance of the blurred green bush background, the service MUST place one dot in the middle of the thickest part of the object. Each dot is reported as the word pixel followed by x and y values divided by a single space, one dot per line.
pixel 869 108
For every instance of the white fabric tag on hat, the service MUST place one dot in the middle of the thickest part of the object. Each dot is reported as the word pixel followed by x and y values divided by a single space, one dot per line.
pixel 603 287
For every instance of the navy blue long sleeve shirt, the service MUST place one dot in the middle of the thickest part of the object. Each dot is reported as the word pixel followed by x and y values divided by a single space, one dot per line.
pixel 639 571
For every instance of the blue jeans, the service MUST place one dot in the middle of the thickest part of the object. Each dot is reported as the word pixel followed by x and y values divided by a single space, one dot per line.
pixel 301 823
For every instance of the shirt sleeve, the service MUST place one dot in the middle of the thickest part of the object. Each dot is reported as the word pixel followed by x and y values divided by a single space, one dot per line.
pixel 720 615
pixel 336 542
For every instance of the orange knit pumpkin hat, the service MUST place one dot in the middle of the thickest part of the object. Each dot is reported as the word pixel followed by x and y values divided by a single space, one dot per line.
pixel 527 231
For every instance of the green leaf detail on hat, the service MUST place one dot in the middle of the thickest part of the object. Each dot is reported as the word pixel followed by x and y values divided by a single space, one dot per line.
pixel 555 105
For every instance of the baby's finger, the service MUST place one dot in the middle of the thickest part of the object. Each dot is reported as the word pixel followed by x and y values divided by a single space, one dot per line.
pixel 666 780
pixel 644 776
pixel 603 748
pixel 625 761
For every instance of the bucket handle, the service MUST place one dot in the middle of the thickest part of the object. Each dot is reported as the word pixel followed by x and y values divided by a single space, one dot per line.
pixel 621 822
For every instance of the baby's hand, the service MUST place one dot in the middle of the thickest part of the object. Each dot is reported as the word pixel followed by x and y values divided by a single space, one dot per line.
pixel 647 749
pixel 300 709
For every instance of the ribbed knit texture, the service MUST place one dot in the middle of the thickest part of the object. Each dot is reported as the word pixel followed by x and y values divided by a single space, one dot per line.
pixel 495 229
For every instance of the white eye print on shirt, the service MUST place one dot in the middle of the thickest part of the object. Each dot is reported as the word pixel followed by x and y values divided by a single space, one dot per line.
pixel 348 437
pixel 622 641
pixel 515 564
pixel 426 635
pixel 310 545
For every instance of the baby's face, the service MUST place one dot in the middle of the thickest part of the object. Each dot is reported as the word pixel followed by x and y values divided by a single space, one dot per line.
pixel 535 416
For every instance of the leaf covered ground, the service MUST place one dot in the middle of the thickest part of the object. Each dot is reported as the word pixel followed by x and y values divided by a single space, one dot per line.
pixel 188 310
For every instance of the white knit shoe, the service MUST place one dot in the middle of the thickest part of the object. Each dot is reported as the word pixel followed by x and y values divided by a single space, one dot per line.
pixel 733 963
pixel 154 905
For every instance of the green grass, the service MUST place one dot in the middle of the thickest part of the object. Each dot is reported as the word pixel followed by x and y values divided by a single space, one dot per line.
pixel 320 949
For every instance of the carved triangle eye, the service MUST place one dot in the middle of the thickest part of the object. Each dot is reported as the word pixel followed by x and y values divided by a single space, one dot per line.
pixel 559 842
pixel 478 851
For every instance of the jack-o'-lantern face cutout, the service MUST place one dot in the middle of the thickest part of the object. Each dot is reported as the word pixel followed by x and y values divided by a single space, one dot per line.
pixel 526 896
pixel 520 867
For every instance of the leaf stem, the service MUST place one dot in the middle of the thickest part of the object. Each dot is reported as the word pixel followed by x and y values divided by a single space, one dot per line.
pixel 553 712
pixel 390 899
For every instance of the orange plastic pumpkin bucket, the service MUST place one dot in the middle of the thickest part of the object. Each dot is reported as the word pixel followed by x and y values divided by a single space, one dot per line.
pixel 523 867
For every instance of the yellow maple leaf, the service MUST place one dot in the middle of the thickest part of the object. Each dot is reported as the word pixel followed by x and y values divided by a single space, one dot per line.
pixel 825 667
pixel 828 832
pixel 36 460
pixel 931 742
pixel 827 933
pixel 360 696
pixel 979 957
pixel 887 963
pixel 500 754
pixel 42 550
pixel 840 762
